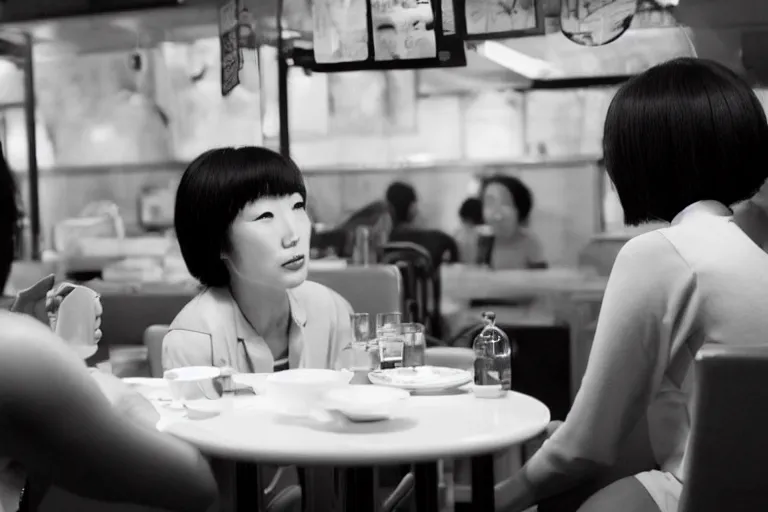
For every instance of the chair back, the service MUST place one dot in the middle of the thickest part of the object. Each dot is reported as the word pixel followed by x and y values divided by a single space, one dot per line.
pixel 368 289
pixel 727 449
pixel 418 271
pixel 153 340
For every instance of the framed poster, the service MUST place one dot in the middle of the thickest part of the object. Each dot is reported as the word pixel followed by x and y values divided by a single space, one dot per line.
pixel 357 35
pixel 501 19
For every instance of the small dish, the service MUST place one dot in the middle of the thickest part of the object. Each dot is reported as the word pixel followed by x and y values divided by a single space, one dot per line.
pixel 299 391
pixel 195 382
pixel 421 378
pixel 365 403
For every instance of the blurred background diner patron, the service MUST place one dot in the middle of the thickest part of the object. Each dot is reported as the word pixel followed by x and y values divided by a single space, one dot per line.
pixel 244 233
pixel 88 434
pixel 507 204
pixel 683 142
pixel 470 217
pixel 377 218
pixel 404 205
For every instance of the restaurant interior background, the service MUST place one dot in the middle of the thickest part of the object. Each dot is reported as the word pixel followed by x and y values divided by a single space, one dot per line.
pixel 125 100
pixel 122 101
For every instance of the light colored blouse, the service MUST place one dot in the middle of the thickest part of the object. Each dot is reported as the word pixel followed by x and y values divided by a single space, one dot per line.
pixel 522 251
pixel 700 280
pixel 211 330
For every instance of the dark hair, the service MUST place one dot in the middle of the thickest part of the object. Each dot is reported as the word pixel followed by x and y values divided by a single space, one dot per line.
pixel 520 193
pixel 9 220
pixel 472 211
pixel 400 197
pixel 681 132
pixel 215 187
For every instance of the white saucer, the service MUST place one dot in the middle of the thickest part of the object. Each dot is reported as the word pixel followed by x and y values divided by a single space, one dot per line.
pixel 365 403
pixel 421 378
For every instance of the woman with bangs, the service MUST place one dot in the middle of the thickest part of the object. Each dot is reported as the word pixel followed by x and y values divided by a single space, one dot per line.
pixel 243 229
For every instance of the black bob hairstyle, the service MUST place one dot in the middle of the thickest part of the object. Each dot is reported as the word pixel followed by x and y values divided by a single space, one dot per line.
pixel 215 187
pixel 684 131
pixel 521 194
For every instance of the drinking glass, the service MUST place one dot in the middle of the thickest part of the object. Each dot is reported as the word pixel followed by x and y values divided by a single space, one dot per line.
pixel 414 344
pixel 385 322
pixel 360 356
pixel 390 344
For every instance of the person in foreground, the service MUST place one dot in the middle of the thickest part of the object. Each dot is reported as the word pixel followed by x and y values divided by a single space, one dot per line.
pixel 683 142
pixel 57 426
pixel 244 234
pixel 87 433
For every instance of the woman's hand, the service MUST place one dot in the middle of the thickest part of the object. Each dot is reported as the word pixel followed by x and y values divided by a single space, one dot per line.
pixel 56 296
pixel 33 300
pixel 42 301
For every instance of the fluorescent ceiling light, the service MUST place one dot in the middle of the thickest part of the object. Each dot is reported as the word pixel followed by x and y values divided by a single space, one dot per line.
pixel 520 63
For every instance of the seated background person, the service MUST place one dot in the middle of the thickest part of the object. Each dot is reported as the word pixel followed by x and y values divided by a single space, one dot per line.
pixel 470 216
pixel 403 203
pixel 507 205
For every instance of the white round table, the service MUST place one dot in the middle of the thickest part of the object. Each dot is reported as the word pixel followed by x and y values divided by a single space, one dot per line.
pixel 424 430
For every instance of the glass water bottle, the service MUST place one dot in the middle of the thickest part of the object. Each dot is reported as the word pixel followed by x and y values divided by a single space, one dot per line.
pixel 493 360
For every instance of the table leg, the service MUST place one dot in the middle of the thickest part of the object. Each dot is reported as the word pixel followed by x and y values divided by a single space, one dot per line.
pixel 427 499
pixel 319 489
pixel 224 472
pixel 483 485
pixel 360 490
pixel 249 495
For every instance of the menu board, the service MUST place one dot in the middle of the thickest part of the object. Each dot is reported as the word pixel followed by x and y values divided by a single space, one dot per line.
pixel 230 45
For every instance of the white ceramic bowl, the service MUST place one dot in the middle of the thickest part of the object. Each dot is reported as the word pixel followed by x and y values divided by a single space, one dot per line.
pixel 195 383
pixel 299 391
pixel 365 403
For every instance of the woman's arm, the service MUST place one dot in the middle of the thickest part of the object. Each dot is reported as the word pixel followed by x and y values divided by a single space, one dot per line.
pixel 62 426
pixel 647 307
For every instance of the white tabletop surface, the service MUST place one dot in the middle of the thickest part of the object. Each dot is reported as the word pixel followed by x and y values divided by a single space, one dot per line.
pixel 426 428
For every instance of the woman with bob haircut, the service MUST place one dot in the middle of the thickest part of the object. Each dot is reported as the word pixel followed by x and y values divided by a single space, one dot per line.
pixel 244 233
pixel 683 142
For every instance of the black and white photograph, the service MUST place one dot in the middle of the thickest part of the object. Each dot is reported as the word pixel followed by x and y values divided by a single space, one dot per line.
pixel 495 19
pixel 403 30
pixel 340 31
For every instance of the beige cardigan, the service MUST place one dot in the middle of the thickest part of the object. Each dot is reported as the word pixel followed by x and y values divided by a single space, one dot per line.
pixel 211 330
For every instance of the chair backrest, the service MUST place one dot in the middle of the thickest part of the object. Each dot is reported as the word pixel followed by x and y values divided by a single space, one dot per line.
pixel 728 448
pixel 153 340
pixel 418 269
pixel 370 289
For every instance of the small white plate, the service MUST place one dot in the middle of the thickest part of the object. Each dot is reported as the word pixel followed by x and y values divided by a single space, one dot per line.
pixel 365 403
pixel 421 378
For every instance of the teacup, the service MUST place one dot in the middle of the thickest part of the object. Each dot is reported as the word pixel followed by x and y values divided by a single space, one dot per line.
pixel 195 383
